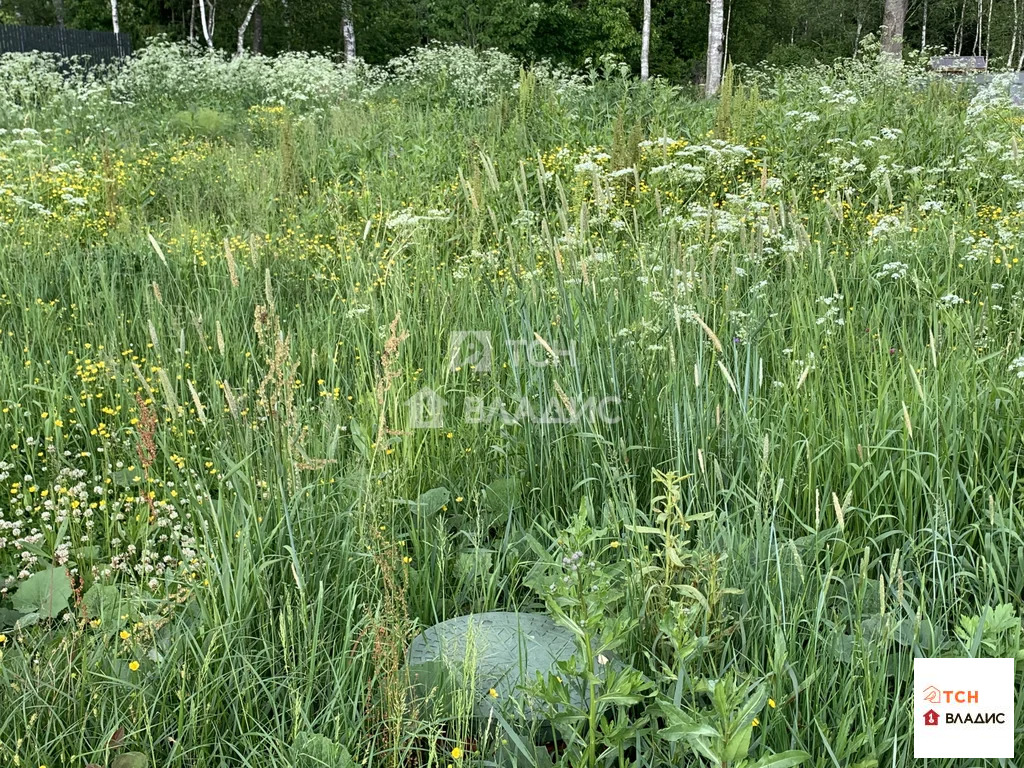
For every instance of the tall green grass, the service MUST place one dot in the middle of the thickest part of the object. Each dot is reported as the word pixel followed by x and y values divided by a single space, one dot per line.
pixel 855 484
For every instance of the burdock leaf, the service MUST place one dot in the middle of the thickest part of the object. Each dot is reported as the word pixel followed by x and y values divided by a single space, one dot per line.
pixel 46 593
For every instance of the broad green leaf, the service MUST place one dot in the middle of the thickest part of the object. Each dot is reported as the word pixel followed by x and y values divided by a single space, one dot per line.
pixel 46 593
pixel 782 760
pixel 314 749
pixel 680 725
pixel 738 745
pixel 501 495
pixel 27 621
pixel 8 618
pixel 103 602
pixel 431 501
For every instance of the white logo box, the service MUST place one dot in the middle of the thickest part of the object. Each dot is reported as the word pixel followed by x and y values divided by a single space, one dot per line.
pixel 963 708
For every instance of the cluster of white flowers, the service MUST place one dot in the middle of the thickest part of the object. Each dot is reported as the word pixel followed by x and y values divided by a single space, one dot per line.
pixel 1017 367
pixel 993 98
pixel 409 219
pixel 695 161
pixel 802 119
pixel 73 510
pixel 838 97
pixel 887 226
pixel 893 270
pixel 467 76
pixel 833 315
pixel 183 76
pixel 188 76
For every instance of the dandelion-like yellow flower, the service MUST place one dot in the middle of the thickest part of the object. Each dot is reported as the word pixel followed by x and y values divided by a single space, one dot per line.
pixel 456 753
pixel 125 634
pixel 771 703
pixel 3 639
pixel 614 545
pixel 133 666
pixel 756 722
pixel 492 693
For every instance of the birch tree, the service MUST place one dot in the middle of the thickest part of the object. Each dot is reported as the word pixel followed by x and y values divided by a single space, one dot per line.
pixel 113 17
pixel 206 20
pixel 716 23
pixel 348 30
pixel 1013 35
pixel 645 43
pixel 924 25
pixel 245 25
pixel 892 27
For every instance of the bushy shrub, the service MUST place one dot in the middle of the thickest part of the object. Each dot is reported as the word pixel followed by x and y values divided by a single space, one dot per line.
pixel 456 73
pixel 174 77
pixel 181 76
pixel 37 84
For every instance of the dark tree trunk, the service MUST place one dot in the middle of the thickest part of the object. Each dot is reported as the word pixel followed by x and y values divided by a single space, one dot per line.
pixel 892 27
pixel 257 31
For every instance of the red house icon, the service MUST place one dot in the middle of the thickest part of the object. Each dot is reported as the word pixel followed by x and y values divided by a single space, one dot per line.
pixel 931 717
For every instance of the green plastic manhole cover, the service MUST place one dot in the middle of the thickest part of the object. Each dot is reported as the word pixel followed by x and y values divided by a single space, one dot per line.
pixel 491 651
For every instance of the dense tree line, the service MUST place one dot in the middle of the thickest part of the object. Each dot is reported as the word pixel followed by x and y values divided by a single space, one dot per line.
pixel 569 31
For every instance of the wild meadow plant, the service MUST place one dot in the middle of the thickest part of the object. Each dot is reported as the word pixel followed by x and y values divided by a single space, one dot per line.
pixel 732 390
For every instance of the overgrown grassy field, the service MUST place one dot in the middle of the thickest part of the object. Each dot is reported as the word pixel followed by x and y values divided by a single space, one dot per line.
pixel 759 362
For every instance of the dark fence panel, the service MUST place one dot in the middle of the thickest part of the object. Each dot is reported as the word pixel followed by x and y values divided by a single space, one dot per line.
pixel 67 42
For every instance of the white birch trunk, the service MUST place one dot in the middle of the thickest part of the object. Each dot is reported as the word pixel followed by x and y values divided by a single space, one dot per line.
pixel 958 39
pixel 924 27
pixel 114 18
pixel 645 43
pixel 977 30
pixel 245 25
pixel 1014 34
pixel 348 30
pixel 988 31
pixel 716 21
pixel 207 25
